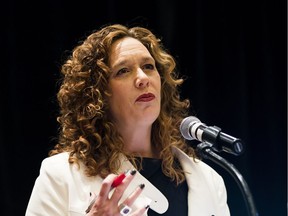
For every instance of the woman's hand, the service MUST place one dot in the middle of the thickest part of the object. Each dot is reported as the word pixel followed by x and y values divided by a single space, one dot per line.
pixel 102 205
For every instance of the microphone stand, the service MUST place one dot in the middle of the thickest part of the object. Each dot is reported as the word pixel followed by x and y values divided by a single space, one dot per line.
pixel 207 153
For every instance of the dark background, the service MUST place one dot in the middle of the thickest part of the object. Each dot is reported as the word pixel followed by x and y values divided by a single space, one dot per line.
pixel 233 52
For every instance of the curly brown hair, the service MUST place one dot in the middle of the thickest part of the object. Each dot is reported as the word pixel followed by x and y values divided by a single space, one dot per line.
pixel 87 132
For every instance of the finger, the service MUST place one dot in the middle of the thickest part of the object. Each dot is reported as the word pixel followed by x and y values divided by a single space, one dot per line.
pixel 106 187
pixel 119 190
pixel 124 209
pixel 133 196
pixel 103 194
pixel 104 191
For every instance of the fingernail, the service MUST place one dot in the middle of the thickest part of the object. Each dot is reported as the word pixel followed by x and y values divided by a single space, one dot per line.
pixel 142 186
pixel 133 172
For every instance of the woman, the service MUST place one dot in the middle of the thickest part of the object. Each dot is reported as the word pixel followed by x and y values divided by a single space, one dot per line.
pixel 120 111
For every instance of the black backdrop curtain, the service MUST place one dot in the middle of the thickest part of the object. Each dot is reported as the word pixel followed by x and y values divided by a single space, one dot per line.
pixel 232 52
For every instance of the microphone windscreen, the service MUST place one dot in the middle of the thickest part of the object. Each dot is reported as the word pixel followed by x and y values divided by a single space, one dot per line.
pixel 185 126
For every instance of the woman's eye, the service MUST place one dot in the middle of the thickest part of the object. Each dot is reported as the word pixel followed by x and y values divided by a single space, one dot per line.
pixel 122 71
pixel 149 66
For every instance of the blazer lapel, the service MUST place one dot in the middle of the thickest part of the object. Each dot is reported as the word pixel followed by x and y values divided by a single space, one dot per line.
pixel 199 194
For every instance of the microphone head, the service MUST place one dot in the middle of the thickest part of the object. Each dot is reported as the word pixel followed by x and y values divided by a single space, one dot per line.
pixel 185 127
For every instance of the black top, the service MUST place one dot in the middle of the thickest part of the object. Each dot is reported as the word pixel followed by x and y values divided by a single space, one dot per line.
pixel 176 195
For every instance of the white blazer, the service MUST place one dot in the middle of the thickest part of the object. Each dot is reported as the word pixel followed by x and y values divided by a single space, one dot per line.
pixel 61 189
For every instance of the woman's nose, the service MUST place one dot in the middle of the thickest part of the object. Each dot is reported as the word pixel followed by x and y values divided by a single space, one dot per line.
pixel 142 80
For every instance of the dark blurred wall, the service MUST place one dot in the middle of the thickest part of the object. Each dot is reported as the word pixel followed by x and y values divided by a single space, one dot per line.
pixel 232 52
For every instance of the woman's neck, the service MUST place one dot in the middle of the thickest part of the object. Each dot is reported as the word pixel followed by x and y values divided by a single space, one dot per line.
pixel 138 140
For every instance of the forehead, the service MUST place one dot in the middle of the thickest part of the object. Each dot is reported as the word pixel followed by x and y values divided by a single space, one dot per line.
pixel 127 46
pixel 127 43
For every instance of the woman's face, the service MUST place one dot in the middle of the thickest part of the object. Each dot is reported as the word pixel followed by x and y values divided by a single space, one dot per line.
pixel 134 83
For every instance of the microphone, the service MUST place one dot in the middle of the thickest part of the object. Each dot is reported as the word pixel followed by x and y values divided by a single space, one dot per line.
pixel 192 128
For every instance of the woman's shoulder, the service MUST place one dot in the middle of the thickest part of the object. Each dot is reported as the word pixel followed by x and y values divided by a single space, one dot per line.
pixel 59 168
pixel 204 166
pixel 58 159
pixel 57 164
pixel 195 165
